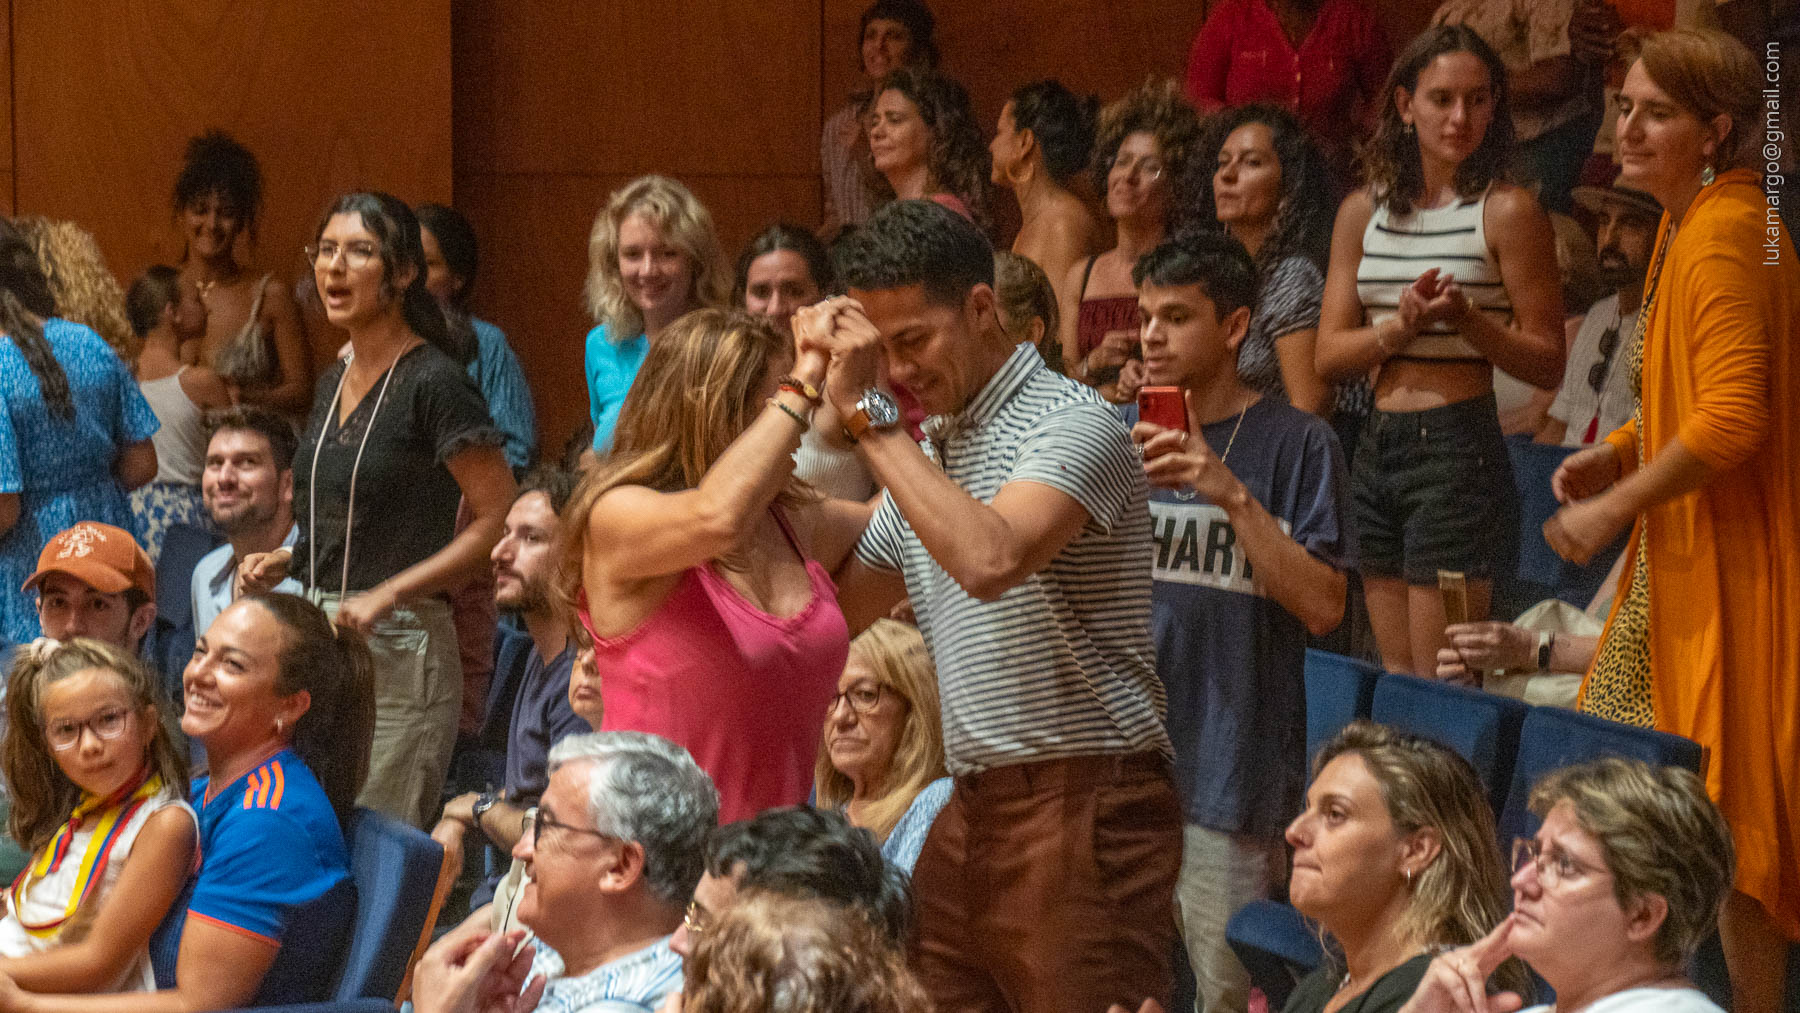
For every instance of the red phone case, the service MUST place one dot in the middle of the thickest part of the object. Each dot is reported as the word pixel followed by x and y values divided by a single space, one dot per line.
pixel 1163 406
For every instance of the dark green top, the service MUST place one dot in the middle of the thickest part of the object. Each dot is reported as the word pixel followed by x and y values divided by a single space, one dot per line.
pixel 1387 995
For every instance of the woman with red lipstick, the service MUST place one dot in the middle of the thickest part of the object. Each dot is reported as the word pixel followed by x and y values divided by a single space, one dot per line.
pixel 1394 857
pixel 1141 148
pixel 652 256
pixel 399 438
pixel 218 197
pixel 925 144
pixel 1611 898
pixel 1699 642
pixel 1439 274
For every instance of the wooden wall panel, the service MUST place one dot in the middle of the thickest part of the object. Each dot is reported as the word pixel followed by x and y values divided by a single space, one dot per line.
pixel 330 94
pixel 6 118
pixel 558 103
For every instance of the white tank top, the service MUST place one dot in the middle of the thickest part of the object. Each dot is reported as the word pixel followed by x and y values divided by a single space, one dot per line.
pixel 181 442
pixel 1397 249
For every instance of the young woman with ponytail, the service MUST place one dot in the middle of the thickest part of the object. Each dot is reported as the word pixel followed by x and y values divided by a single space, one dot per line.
pixel 398 436
pixel 74 431
pixel 281 702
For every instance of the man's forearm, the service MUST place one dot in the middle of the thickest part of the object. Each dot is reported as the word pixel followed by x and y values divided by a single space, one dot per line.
pixel 1311 589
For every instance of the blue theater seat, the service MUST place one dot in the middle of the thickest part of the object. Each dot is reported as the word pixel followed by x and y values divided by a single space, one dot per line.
pixel 1339 690
pixel 1481 727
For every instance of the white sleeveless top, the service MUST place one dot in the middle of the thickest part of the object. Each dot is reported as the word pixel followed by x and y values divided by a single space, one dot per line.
pixel 1397 249
pixel 47 899
pixel 181 442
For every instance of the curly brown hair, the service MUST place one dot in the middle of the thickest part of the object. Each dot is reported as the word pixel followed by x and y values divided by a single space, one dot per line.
pixel 1157 108
pixel 958 161
pixel 83 286
pixel 776 954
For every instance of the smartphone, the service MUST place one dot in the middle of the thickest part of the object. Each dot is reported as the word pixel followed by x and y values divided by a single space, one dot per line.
pixel 1164 406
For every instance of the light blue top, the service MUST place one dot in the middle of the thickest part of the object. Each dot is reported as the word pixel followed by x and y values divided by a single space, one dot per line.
pixel 908 837
pixel 635 983
pixel 62 468
pixel 212 585
pixel 497 372
pixel 611 367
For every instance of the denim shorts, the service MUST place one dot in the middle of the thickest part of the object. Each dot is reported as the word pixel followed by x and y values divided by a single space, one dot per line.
pixel 1434 491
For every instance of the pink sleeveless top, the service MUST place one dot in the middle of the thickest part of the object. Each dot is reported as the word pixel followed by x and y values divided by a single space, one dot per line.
pixel 745 692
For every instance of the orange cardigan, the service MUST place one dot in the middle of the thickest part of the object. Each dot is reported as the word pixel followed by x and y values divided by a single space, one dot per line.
pixel 1721 365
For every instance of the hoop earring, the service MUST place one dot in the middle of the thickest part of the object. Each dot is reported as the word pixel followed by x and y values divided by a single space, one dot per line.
pixel 1408 874
pixel 279 727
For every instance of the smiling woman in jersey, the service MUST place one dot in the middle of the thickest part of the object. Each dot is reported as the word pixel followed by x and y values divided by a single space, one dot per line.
pixel 281 703
pixel 701 567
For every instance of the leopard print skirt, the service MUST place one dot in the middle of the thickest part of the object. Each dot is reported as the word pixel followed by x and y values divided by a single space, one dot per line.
pixel 1619 688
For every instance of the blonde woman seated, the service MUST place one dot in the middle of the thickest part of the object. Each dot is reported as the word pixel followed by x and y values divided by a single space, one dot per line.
pixel 1394 857
pixel 882 760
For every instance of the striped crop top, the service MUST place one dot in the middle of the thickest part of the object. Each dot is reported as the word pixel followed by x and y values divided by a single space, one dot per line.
pixel 1397 249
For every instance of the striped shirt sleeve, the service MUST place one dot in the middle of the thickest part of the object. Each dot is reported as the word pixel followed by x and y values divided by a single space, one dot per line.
pixel 881 542
pixel 1084 451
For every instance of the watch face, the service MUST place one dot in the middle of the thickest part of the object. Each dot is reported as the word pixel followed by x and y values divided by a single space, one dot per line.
pixel 880 408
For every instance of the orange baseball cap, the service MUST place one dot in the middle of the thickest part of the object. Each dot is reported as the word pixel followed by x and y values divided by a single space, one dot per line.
pixel 105 558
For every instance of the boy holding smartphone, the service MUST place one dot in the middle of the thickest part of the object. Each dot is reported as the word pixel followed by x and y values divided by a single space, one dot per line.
pixel 1250 511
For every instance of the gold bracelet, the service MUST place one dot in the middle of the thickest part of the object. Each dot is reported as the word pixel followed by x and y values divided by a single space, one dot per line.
pixel 801 420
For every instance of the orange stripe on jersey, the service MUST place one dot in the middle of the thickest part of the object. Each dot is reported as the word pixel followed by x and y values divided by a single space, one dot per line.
pixel 280 783
pixel 250 788
pixel 239 929
pixel 262 791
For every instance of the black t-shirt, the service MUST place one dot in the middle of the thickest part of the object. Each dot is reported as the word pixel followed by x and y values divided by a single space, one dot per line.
pixel 1387 995
pixel 406 498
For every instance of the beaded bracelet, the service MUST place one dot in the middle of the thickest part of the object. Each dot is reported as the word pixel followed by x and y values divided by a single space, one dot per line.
pixel 798 386
pixel 798 418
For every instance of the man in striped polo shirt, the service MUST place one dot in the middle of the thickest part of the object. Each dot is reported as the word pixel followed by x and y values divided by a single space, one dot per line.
pixel 1022 535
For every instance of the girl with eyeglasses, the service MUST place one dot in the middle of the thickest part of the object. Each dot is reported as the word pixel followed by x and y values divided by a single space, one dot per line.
pixel 882 759
pixel 1142 146
pixel 98 792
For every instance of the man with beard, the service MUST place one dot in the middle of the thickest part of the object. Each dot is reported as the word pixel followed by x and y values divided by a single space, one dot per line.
pixel 248 489
pixel 525 562
pixel 1595 398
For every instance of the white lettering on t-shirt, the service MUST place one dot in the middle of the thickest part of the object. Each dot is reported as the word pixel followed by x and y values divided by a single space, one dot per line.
pixel 1196 544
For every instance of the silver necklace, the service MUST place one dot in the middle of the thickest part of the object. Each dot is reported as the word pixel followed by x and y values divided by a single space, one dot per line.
pixel 312 490
pixel 1185 495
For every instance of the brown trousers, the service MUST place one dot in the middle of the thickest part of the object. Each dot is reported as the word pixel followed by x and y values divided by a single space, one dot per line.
pixel 1050 887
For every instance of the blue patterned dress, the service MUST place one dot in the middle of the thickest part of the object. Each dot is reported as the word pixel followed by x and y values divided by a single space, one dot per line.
pixel 62 470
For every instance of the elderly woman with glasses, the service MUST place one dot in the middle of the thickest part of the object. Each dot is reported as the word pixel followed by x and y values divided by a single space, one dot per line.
pixel 1611 898
pixel 882 759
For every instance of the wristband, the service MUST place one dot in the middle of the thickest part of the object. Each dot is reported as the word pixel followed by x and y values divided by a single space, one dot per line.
pixel 1546 643
pixel 800 420
pixel 798 386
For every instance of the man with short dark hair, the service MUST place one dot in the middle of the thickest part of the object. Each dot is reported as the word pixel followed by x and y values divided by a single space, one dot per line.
pixel 524 563
pixel 799 851
pixel 1250 508
pixel 1022 536
pixel 94 580
pixel 248 488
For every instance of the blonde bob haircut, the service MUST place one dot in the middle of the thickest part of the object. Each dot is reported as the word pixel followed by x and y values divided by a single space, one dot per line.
pixel 698 390
pixel 684 222
pixel 895 652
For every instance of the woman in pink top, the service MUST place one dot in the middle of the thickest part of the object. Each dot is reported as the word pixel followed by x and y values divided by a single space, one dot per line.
pixel 702 568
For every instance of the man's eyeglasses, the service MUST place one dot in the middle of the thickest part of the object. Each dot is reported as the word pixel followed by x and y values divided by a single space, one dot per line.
pixel 541 826
pixel 1609 343
pixel 107 725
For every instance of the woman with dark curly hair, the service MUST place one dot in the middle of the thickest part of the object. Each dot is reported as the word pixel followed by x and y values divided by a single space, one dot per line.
pixel 925 144
pixel 1259 176
pixel 1141 149
pixel 254 335
pixel 893 34
pixel 1440 273
pixel 1044 139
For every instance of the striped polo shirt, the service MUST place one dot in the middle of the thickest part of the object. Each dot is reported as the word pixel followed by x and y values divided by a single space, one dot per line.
pixel 1060 665
pixel 1397 249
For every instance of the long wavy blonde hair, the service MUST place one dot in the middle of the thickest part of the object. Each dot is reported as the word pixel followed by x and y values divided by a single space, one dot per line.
pixel 896 653
pixel 84 287
pixel 684 222
pixel 696 393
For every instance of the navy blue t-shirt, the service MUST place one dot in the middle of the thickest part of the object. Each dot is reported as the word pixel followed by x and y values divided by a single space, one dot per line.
pixel 1230 657
pixel 541 716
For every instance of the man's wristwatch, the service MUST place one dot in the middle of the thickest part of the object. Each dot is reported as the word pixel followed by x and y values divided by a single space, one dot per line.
pixel 482 805
pixel 876 410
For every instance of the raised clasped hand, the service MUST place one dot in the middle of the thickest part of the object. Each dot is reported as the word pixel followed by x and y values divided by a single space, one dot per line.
pixel 1456 982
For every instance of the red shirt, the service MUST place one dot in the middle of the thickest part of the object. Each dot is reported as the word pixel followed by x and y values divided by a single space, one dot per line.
pixel 1241 55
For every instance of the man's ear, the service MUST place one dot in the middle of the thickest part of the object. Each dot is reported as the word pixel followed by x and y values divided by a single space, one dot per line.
pixel 1237 325
pixel 622 869
pixel 981 309
pixel 139 624
pixel 284 489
